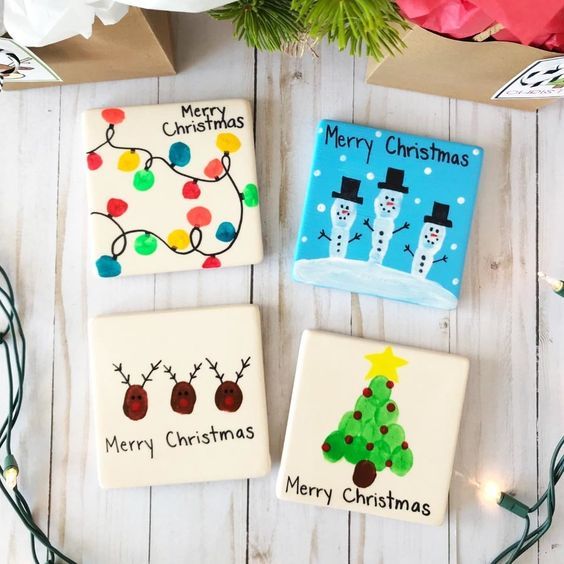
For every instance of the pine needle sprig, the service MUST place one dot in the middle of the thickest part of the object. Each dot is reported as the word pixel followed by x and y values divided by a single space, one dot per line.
pixel 370 24
pixel 268 25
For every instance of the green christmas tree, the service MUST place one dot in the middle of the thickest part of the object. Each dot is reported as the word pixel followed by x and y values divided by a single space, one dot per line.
pixel 369 436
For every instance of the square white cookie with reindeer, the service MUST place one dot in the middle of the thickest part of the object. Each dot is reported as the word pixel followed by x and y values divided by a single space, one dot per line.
pixel 179 396
pixel 172 187
pixel 372 428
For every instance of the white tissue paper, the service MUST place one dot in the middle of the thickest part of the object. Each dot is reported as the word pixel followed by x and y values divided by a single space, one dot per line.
pixel 179 5
pixel 35 23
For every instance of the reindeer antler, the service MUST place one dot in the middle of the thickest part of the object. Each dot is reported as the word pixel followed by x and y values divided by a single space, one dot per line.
pixel 214 368
pixel 195 371
pixel 119 368
pixel 168 370
pixel 244 364
pixel 148 377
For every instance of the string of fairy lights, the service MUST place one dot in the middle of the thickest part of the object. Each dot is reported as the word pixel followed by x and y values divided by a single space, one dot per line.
pixel 180 241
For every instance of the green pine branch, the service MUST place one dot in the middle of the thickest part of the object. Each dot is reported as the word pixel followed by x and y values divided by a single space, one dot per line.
pixel 268 25
pixel 354 24
pixel 372 26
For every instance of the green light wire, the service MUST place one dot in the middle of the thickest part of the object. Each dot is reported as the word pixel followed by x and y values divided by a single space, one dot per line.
pixel 12 340
pixel 528 539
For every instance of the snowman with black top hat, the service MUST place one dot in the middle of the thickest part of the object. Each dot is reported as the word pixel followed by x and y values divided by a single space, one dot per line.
pixel 431 239
pixel 343 216
pixel 387 207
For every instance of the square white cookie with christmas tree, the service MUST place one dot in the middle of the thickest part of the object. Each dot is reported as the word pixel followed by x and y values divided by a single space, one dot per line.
pixel 172 187
pixel 372 427
pixel 179 396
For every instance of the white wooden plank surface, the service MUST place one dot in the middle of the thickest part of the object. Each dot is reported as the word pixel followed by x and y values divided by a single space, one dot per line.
pixel 508 431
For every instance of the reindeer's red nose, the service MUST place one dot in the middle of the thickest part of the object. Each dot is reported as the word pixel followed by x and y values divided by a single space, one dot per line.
pixel 229 401
pixel 135 406
pixel 183 402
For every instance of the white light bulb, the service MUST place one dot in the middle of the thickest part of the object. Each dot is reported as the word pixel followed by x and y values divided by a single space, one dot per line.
pixel 11 477
pixel 492 492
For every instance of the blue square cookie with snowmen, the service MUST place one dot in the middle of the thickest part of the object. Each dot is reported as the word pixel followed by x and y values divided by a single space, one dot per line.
pixel 388 214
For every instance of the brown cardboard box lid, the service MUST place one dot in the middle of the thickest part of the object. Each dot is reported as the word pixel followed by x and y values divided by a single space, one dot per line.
pixel 139 45
pixel 458 69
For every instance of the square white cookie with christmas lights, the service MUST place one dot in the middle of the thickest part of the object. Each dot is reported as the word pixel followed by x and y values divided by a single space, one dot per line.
pixel 372 428
pixel 179 396
pixel 172 187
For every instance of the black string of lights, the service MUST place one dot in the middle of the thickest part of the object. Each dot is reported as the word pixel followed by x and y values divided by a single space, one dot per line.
pixel 179 241
pixel 13 343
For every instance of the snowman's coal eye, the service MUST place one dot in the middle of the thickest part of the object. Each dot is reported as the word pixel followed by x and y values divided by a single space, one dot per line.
pixel 386 197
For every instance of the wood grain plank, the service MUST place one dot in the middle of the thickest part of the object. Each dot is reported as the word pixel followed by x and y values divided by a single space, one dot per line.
pixel 94 525
pixel 374 539
pixel 551 310
pixel 495 327
pixel 293 94
pixel 28 207
pixel 204 522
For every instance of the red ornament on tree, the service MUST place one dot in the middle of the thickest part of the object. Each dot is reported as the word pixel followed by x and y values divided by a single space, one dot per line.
pixel 191 190
pixel 211 262
pixel 116 207
pixel 113 115
pixel 213 169
pixel 94 161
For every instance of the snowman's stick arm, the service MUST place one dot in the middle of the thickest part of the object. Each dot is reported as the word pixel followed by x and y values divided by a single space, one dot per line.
pixel 407 249
pixel 322 235
pixel 356 237
pixel 404 226
pixel 367 223
pixel 443 259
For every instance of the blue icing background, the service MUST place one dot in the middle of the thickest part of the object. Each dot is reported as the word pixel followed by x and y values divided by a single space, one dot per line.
pixel 428 181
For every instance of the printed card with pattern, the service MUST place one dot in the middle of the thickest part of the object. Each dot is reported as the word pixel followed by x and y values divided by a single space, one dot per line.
pixel 388 214
pixel 372 428
pixel 172 187
pixel 179 396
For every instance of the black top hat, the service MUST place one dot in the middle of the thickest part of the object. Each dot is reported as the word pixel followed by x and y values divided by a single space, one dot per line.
pixel 439 215
pixel 394 181
pixel 349 190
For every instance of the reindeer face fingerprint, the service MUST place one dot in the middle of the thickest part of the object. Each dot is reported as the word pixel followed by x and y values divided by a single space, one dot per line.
pixel 136 400
pixel 229 396
pixel 183 395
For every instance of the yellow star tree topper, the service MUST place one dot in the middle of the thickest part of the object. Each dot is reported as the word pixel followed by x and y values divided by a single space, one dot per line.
pixel 384 364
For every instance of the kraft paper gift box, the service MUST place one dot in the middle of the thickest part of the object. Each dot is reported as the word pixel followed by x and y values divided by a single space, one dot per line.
pixel 139 45
pixel 463 69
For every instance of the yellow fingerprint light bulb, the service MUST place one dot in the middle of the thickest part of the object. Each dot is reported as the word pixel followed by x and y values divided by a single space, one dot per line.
pixel 228 142
pixel 179 239
pixel 129 161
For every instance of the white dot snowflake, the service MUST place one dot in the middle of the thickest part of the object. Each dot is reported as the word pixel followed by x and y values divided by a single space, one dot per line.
pixel 378 134
pixel 316 172
pixel 417 200
pixel 453 247
pixel 427 170
pixel 475 151
pixel 455 281
pixel 370 176
pixel 343 158
pixel 304 239
pixel 321 208
pixel 461 200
